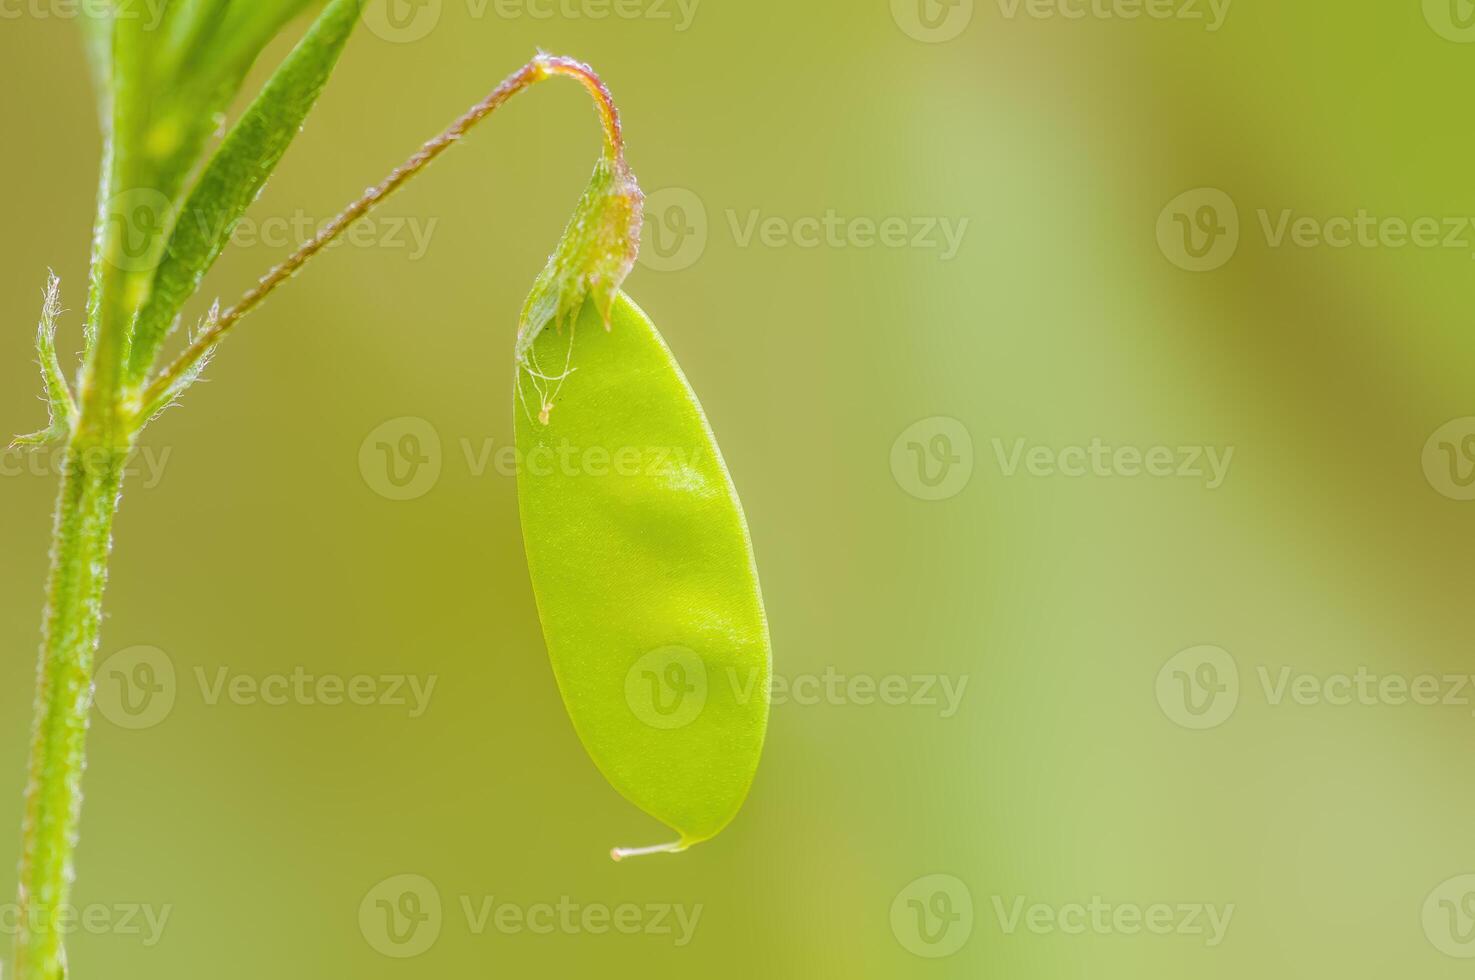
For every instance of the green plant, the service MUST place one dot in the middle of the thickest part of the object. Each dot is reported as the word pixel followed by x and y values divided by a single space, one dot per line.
pixel 677 541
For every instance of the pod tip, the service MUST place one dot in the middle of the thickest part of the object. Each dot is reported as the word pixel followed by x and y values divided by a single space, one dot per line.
pixel 620 853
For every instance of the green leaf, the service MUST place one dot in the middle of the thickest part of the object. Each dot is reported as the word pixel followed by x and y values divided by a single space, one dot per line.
pixel 97 39
pixel 175 66
pixel 235 176
pixel 171 394
pixel 643 571
pixel 58 396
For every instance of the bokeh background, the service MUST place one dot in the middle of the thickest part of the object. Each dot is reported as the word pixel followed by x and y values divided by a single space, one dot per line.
pixel 1090 760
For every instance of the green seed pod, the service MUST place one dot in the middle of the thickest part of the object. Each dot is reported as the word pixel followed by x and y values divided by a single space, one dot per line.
pixel 643 570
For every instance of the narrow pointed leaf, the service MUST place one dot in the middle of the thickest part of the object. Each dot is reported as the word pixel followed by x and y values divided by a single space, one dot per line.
pixel 59 401
pixel 236 174
pixel 58 395
pixel 170 396
pixel 175 66
pixel 97 39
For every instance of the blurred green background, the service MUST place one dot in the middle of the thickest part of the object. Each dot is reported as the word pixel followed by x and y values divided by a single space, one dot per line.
pixel 1087 760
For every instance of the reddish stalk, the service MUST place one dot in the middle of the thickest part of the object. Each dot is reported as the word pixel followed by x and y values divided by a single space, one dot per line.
pixel 541 67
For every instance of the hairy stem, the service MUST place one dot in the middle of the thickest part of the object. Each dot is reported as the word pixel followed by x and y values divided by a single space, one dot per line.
pixel 100 440
pixel 88 499
pixel 112 302
pixel 528 75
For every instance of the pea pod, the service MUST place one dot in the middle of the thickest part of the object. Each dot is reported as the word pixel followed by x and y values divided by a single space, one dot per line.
pixel 643 570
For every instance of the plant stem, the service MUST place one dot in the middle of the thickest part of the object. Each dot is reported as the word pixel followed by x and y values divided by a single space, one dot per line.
pixel 91 482
pixel 533 72
pixel 100 442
